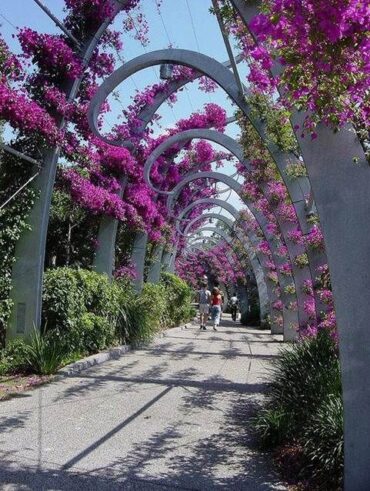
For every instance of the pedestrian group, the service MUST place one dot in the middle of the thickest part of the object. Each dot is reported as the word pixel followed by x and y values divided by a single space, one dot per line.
pixel 211 303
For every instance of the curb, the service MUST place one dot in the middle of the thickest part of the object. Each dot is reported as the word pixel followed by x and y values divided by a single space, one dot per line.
pixel 104 356
pixel 90 361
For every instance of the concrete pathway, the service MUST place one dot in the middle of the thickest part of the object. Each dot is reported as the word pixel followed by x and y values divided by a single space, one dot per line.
pixel 172 416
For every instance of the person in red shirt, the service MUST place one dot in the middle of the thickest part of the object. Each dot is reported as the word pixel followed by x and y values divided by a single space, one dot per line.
pixel 216 307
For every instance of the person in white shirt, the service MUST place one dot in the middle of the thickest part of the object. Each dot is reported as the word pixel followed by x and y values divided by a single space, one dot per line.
pixel 234 304
pixel 204 297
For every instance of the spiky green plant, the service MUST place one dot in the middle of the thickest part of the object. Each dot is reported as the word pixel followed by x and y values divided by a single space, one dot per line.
pixel 303 376
pixel 324 445
pixel 272 426
pixel 44 354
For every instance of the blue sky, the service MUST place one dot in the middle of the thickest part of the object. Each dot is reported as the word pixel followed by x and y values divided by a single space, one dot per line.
pixel 195 30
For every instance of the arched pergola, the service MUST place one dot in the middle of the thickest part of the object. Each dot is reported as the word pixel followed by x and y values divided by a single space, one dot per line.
pixel 338 189
pixel 250 242
pixel 258 272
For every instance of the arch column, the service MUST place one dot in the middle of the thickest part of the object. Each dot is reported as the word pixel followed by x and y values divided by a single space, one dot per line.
pixel 154 273
pixel 166 259
pixel 341 190
pixel 138 259
pixel 342 199
pixel 104 259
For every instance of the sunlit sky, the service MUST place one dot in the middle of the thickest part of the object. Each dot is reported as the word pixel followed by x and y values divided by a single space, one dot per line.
pixel 185 24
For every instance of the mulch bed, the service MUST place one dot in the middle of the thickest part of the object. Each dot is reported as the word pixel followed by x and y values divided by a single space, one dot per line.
pixel 290 461
pixel 11 385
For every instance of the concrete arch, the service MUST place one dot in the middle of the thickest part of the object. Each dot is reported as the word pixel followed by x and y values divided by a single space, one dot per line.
pixel 205 134
pixel 202 63
pixel 215 70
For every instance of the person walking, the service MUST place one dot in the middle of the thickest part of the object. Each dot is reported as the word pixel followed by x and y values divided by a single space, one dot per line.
pixel 234 304
pixel 204 297
pixel 216 306
pixel 216 284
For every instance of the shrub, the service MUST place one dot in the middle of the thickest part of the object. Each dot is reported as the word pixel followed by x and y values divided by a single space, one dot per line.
pixel 154 303
pixel 139 328
pixel 101 296
pixel 178 298
pixel 97 332
pixel 303 376
pixel 305 407
pixel 272 426
pixel 13 357
pixel 75 301
pixel 63 299
pixel 84 312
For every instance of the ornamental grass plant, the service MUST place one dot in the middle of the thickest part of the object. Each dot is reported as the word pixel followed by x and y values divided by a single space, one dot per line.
pixel 44 355
pixel 304 407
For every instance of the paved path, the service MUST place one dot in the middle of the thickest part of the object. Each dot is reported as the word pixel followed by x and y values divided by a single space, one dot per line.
pixel 172 416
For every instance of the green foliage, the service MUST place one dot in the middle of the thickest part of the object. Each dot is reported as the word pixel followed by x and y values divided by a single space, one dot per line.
pixel 272 426
pixel 305 405
pixel 44 355
pixel 301 395
pixel 153 301
pixel 97 332
pixel 13 357
pixel 277 119
pixel 324 445
pixel 63 299
pixel 179 297
pixel 84 312
pixel 301 260
pixel 139 328
pixel 71 232
pixel 75 301
pixel 89 312
pixel 295 170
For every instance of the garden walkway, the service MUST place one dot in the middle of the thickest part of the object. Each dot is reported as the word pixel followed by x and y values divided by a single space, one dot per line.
pixel 172 416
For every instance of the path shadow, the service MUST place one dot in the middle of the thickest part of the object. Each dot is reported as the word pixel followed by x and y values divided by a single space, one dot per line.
pixel 188 454
pixel 10 423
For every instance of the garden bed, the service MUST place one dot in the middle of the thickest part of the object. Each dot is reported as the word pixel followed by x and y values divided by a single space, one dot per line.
pixel 12 385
